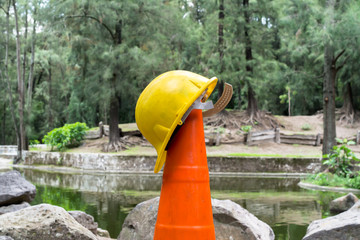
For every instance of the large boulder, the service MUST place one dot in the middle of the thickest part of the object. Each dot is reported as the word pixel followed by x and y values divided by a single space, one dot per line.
pixel 234 222
pixel 43 222
pixel 230 219
pixel 13 207
pixel 343 203
pixel 14 189
pixel 344 226
pixel 86 220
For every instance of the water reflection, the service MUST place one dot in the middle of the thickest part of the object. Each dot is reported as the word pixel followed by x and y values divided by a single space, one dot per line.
pixel 109 197
pixel 152 182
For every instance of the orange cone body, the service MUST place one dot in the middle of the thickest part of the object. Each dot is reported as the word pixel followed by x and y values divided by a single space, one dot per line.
pixel 185 210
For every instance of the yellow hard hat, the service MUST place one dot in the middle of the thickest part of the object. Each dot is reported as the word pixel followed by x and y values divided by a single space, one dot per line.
pixel 164 102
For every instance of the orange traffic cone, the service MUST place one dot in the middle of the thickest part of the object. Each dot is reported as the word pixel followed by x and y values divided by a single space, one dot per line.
pixel 185 211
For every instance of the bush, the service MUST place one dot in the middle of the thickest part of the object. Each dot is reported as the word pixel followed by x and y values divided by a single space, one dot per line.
pixel 34 142
pixel 341 158
pixel 246 128
pixel 354 182
pixel 340 165
pixel 66 136
pixel 306 127
pixel 327 179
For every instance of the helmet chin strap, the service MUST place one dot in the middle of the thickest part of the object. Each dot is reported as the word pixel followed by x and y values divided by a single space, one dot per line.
pixel 221 102
pixel 198 104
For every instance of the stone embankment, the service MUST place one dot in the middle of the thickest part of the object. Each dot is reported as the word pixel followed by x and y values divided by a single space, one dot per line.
pixel 7 154
pixel 144 164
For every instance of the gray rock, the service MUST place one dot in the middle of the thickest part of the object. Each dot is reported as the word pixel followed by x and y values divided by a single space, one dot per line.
pixel 230 219
pixel 343 203
pixel 13 207
pixel 92 134
pixel 15 189
pixel 43 222
pixel 104 238
pixel 344 226
pixel 140 222
pixel 85 219
pixel 6 238
pixel 234 222
pixel 103 233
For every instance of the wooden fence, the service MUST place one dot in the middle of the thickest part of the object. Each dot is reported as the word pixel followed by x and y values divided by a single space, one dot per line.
pixel 251 138
pixel 314 140
pixel 274 135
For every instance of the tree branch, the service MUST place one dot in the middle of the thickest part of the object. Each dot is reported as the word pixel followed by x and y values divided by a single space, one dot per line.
pixel 95 19
pixel 342 65
pixel 8 8
pixel 4 9
pixel 339 55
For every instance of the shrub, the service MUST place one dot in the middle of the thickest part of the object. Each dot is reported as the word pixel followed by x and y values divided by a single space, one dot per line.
pixel 68 135
pixel 340 159
pixel 306 127
pixel 354 182
pixel 246 128
pixel 34 142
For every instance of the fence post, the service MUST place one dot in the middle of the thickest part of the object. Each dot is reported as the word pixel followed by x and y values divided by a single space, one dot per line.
pixel 318 139
pixel 358 137
pixel 248 139
pixel 218 139
pixel 101 129
pixel 277 135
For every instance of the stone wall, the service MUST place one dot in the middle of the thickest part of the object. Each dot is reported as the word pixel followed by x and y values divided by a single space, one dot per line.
pixel 122 163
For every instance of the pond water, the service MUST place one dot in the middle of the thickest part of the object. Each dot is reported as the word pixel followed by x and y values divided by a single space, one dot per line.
pixel 279 202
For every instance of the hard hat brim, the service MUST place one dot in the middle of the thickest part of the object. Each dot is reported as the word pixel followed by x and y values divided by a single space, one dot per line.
pixel 209 87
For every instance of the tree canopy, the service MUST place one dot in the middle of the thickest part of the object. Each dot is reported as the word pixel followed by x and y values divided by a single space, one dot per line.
pixel 89 60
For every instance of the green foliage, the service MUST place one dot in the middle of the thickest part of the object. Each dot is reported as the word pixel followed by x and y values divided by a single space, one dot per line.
pixel 220 130
pixel 306 127
pixel 340 164
pixel 333 180
pixel 340 159
pixel 354 182
pixel 327 179
pixel 66 136
pixel 34 142
pixel 246 128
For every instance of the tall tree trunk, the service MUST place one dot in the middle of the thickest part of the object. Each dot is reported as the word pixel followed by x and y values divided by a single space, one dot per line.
pixel 329 100
pixel 12 108
pixel 289 101
pixel 3 138
pixel 329 88
pixel 114 135
pixel 348 107
pixel 25 145
pixel 50 110
pixel 25 44
pixel 221 44
pixel 252 107
pixel 20 82
pixel 32 61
